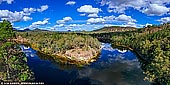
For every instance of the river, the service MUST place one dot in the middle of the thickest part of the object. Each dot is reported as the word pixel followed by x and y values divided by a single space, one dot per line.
pixel 113 67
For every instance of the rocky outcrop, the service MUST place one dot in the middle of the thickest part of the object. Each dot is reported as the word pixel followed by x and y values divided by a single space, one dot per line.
pixel 77 57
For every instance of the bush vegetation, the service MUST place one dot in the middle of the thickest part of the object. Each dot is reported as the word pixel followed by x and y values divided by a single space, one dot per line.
pixel 53 42
pixel 13 66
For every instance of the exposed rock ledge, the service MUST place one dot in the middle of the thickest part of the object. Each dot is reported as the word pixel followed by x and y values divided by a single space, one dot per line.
pixel 78 56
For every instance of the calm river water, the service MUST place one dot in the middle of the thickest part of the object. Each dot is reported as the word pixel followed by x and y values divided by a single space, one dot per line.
pixel 113 67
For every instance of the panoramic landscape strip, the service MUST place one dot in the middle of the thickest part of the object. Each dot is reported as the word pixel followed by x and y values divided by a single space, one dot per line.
pixel 151 43
pixel 85 42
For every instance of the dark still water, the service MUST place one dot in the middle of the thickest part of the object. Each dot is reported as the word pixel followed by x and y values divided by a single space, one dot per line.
pixel 114 67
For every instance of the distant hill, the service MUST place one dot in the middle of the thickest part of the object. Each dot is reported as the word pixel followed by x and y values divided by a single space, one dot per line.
pixel 115 29
pixel 25 30
pixel 37 29
pixel 155 28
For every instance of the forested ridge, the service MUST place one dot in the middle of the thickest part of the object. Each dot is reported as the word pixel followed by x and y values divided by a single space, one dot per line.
pixel 115 29
pixel 13 66
pixel 153 45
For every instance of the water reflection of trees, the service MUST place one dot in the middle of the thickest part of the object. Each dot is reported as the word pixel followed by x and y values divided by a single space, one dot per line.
pixel 152 44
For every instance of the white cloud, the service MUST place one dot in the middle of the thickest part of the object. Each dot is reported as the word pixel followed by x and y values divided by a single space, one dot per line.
pixel 110 10
pixel 155 9
pixel 92 15
pixel 73 25
pixel 15 17
pixel 4 13
pixel 8 1
pixel 121 5
pixel 89 9
pixel 130 24
pixel 125 18
pixel 29 10
pixel 26 18
pixel 20 16
pixel 160 2
pixel 67 19
pixel 60 25
pixel 95 20
pixel 147 24
pixel 60 21
pixel 43 8
pixel 11 16
pixel 64 20
pixel 70 3
pixel 82 14
pixel 109 18
pixel 38 23
pixel 164 20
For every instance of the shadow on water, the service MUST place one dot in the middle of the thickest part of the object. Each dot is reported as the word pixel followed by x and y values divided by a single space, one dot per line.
pixel 113 67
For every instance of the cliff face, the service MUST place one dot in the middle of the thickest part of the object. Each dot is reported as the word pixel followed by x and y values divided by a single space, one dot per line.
pixel 115 29
pixel 152 30
pixel 77 57
pixel 81 55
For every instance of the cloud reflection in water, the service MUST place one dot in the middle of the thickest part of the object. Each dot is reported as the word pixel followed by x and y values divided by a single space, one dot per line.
pixel 115 67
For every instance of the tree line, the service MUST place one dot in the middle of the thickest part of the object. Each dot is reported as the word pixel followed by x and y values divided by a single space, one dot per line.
pixel 53 43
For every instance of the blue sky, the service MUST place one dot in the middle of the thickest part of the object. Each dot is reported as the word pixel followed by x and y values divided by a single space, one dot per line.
pixel 61 15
